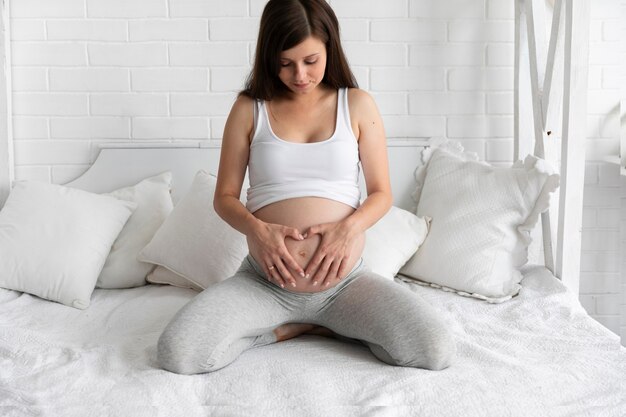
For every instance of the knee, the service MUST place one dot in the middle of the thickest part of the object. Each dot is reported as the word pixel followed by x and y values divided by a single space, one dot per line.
pixel 168 356
pixel 173 357
pixel 439 352
pixel 433 352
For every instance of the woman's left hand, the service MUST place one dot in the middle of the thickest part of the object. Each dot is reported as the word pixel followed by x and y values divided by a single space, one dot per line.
pixel 331 257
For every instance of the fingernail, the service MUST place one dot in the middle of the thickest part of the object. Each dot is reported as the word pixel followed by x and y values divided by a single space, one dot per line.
pixel 302 274
pixel 307 276
pixel 314 282
pixel 282 286
pixel 293 284
pixel 305 235
pixel 326 285
pixel 301 237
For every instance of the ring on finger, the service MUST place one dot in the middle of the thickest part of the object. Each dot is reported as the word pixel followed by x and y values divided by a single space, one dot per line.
pixel 271 267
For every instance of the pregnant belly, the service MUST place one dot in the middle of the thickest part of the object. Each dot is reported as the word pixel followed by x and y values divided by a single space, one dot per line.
pixel 303 213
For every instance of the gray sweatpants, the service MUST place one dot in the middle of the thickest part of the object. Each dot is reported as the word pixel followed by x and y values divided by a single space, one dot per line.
pixel 240 313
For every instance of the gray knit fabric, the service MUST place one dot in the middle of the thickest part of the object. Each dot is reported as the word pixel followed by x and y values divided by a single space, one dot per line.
pixel 240 313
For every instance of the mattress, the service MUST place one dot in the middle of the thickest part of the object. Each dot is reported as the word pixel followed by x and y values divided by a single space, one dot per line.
pixel 538 354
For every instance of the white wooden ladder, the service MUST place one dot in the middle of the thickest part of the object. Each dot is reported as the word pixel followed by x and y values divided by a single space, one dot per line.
pixel 540 99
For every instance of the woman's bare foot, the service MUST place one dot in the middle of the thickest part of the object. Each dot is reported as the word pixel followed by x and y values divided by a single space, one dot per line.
pixel 290 330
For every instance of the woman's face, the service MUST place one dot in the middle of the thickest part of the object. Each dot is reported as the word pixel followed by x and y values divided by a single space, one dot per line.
pixel 302 67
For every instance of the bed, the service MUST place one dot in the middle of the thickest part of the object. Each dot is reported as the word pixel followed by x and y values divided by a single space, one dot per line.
pixel 538 353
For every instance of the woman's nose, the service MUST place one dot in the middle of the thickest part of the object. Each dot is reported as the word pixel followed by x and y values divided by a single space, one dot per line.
pixel 300 72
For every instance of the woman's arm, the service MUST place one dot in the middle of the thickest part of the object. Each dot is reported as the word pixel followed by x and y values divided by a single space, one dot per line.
pixel 269 239
pixel 329 262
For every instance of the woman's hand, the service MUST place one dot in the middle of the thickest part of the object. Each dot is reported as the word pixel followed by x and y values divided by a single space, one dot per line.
pixel 272 254
pixel 330 261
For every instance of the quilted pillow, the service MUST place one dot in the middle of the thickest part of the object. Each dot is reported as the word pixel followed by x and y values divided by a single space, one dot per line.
pixel 482 217
pixel 54 240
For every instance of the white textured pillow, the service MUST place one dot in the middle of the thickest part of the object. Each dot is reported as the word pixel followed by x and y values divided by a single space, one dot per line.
pixel 393 240
pixel 154 204
pixel 54 240
pixel 194 242
pixel 482 217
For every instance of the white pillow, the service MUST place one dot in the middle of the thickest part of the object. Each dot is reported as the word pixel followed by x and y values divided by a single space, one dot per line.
pixel 154 204
pixel 482 217
pixel 393 240
pixel 54 240
pixel 194 242
pixel 389 244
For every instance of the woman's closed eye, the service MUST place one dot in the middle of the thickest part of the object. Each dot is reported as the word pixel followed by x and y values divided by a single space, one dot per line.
pixel 286 64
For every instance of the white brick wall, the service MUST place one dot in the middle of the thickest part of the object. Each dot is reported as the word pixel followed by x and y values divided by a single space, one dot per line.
pixel 601 281
pixel 89 71
pixel 622 82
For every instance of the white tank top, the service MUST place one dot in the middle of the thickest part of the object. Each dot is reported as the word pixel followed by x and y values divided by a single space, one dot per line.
pixel 280 170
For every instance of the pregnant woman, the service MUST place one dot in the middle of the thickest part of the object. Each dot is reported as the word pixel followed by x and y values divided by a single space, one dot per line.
pixel 301 127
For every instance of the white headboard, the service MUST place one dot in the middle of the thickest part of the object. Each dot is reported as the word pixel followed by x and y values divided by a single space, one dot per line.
pixel 123 164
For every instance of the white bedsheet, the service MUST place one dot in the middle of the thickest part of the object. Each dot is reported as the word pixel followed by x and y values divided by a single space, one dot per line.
pixel 539 354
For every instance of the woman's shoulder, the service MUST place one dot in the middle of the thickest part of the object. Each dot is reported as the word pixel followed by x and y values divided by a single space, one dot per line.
pixel 360 101
pixel 241 116
pixel 243 109
pixel 244 104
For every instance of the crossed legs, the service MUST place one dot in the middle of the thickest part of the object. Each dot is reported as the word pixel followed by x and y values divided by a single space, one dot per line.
pixel 247 311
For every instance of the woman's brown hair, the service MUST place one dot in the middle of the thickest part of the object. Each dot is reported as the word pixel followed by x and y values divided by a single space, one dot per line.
pixel 284 24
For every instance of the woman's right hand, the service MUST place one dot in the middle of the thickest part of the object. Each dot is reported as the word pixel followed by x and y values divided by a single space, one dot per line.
pixel 270 252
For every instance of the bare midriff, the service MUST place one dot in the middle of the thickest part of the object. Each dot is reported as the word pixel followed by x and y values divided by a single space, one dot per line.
pixel 303 213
